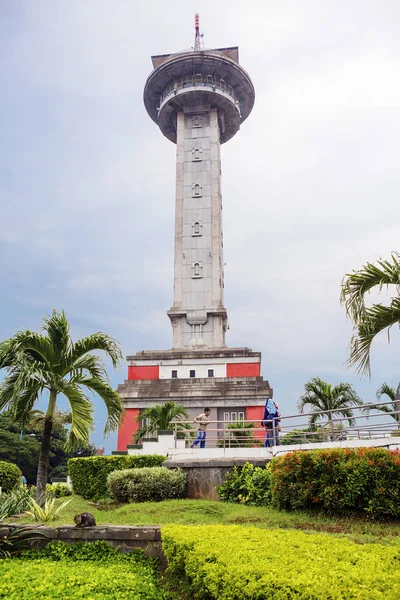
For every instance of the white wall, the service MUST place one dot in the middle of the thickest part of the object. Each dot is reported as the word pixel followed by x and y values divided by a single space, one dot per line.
pixel 184 370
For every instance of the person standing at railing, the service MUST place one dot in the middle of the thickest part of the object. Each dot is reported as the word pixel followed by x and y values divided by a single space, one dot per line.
pixel 203 421
pixel 271 421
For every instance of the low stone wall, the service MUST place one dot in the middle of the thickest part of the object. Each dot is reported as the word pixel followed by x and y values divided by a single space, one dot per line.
pixel 204 475
pixel 124 538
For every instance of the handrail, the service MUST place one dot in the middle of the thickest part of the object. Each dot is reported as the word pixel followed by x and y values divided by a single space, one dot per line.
pixel 334 428
pixel 198 80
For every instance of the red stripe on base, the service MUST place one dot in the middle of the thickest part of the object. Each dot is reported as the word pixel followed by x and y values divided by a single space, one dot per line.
pixel 152 372
pixel 127 428
pixel 255 414
pixel 243 370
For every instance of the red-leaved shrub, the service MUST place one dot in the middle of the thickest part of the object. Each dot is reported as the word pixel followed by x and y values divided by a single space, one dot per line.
pixel 339 481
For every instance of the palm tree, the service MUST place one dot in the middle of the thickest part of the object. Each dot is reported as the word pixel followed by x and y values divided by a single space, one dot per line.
pixel 323 396
pixel 49 365
pixel 394 396
pixel 369 321
pixel 158 418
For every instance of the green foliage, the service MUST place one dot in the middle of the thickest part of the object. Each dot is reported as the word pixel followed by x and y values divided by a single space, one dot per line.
pixel 247 485
pixel 159 418
pixel 58 490
pixel 50 364
pixel 146 484
pixel 102 573
pixel 369 321
pixel 21 445
pixel 10 476
pixel 233 563
pixel 89 475
pixel 392 407
pixel 48 512
pixel 98 550
pixel 339 481
pixel 15 539
pixel 323 396
pixel 16 502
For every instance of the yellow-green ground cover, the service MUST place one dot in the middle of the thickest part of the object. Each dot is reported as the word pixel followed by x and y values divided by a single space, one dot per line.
pixel 230 563
pixel 99 579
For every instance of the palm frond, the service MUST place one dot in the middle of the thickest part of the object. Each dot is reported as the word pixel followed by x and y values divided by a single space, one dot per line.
pixel 96 341
pixel 111 398
pixel 81 416
pixel 386 390
pixel 376 319
pixel 355 285
pixel 89 363
pixel 56 326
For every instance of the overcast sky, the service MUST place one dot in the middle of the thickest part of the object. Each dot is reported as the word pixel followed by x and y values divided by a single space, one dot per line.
pixel 310 183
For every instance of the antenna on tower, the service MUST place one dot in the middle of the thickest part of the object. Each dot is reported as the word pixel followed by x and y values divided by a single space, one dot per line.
pixel 197 44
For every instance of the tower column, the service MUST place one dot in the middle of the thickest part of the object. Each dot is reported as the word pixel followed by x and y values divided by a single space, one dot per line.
pixel 198 314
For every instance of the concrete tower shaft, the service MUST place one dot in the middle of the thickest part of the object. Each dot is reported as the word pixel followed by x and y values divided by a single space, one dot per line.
pixel 198 99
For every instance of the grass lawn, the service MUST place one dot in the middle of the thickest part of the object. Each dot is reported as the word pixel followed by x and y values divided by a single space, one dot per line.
pixel 192 512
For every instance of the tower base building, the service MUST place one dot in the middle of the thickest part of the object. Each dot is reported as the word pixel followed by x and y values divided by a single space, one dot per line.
pixel 199 100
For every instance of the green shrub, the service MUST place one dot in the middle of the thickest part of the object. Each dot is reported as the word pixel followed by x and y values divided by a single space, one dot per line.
pixel 247 485
pixel 89 475
pixel 58 490
pixel 98 550
pixel 149 484
pixel 101 574
pixel 10 476
pixel 339 481
pixel 236 563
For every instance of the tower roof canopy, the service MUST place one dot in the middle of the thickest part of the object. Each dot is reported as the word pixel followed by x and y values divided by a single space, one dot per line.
pixel 232 53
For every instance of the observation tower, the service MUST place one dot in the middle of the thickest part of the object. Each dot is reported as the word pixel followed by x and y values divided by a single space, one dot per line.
pixel 199 99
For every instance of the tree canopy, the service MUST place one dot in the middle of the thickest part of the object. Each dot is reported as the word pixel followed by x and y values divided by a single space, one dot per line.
pixel 46 365
pixel 322 396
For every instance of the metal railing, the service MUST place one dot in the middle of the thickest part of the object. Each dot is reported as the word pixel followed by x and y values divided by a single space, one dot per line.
pixel 237 433
pixel 199 80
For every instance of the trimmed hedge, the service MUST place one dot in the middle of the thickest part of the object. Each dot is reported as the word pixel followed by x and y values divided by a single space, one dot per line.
pixel 339 481
pixel 10 476
pixel 102 573
pixel 149 484
pixel 89 475
pixel 236 563
pixel 247 485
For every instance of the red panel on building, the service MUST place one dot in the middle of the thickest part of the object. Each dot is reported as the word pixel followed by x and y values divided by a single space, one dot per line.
pixel 127 428
pixel 243 369
pixel 152 372
pixel 256 414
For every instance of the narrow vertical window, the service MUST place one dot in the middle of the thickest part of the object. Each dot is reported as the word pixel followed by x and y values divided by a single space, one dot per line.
pixel 174 374
pixel 196 190
pixel 211 372
pixel 197 227
pixel 196 269
pixel 196 154
pixel 192 373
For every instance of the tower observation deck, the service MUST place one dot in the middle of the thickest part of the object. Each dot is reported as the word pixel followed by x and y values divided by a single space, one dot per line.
pixel 199 99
